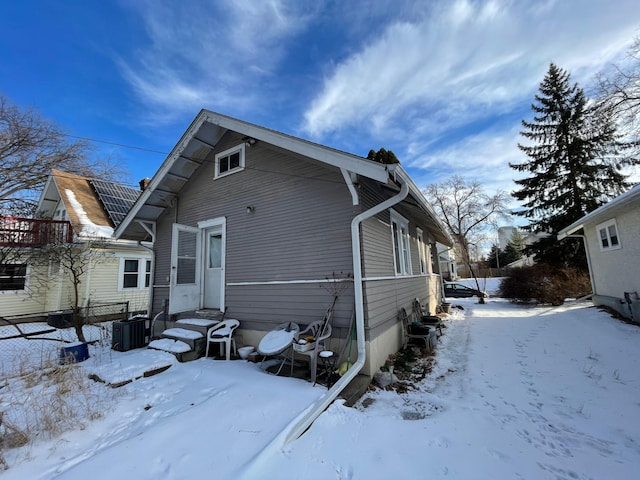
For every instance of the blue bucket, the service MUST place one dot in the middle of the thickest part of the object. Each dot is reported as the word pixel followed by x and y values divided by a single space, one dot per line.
pixel 74 353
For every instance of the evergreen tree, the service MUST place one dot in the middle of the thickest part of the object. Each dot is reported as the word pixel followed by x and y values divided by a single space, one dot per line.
pixel 574 160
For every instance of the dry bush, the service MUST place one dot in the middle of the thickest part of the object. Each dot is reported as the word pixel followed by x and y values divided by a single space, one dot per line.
pixel 45 403
pixel 545 284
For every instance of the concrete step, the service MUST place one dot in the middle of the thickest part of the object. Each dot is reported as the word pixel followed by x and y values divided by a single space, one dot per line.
pixel 182 351
pixel 194 339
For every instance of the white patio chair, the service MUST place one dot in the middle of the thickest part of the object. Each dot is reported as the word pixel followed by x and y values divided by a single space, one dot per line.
pixel 319 334
pixel 223 333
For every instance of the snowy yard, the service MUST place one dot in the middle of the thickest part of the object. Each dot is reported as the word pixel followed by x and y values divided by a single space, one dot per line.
pixel 516 392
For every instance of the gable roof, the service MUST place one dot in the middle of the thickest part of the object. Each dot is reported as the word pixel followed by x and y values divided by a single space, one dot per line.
pixel 607 209
pixel 200 140
pixel 87 207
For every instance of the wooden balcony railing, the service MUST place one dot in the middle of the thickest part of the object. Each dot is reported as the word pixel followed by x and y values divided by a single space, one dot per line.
pixel 31 232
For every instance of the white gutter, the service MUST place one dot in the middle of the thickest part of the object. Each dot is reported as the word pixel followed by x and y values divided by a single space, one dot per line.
pixel 305 421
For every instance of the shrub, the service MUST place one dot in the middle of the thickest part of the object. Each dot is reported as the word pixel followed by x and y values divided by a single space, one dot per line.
pixel 545 284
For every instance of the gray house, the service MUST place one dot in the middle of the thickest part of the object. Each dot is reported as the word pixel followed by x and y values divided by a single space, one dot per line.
pixel 611 235
pixel 269 227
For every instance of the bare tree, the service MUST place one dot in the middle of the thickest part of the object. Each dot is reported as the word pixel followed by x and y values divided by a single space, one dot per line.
pixel 72 260
pixel 620 93
pixel 30 147
pixel 468 212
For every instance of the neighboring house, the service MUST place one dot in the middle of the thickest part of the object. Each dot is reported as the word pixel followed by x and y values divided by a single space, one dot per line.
pixel 78 215
pixel 528 238
pixel 268 227
pixel 447 260
pixel 611 235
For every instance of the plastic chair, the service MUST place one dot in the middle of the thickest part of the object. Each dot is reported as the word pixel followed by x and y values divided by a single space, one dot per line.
pixel 420 316
pixel 223 333
pixel 319 334
pixel 277 342
pixel 416 332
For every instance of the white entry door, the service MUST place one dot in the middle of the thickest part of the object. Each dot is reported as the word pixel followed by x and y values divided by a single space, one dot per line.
pixel 184 294
pixel 214 268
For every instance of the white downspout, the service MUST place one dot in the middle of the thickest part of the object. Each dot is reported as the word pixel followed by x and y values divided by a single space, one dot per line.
pixel 586 251
pixel 305 421
pixel 151 230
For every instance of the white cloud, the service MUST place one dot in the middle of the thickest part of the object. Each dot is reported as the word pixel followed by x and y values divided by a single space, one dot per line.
pixel 459 61
pixel 207 54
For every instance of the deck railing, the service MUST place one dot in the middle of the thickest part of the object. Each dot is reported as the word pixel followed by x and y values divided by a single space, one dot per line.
pixel 31 232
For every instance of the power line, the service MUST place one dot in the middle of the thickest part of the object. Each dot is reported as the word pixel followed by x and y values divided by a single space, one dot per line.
pixel 116 144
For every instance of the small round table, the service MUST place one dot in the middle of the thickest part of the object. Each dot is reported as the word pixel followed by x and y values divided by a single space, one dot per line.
pixel 328 359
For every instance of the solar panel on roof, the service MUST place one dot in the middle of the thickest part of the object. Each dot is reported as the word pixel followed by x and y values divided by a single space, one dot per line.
pixel 116 199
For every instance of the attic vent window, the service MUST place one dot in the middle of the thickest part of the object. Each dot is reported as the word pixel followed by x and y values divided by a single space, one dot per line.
pixel 230 161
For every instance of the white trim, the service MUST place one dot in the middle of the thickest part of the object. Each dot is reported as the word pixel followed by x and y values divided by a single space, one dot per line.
pixel 605 226
pixel 287 282
pixel 227 153
pixel 214 222
pixel 141 273
pixel 397 277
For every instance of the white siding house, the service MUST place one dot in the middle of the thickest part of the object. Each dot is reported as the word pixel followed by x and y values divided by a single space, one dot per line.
pixel 71 214
pixel 612 241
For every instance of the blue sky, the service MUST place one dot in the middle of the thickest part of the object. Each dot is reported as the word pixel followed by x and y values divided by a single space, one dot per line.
pixel 442 83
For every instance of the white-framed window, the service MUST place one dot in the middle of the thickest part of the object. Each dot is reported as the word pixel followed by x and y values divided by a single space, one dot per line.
pixel 230 161
pixel 13 277
pixel 421 252
pixel 400 240
pixel 135 273
pixel 608 235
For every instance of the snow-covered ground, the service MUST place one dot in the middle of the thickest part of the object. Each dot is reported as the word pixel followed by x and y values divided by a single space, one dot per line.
pixel 516 392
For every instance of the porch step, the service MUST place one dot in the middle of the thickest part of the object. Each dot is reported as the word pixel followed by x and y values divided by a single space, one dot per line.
pixel 194 339
pixel 182 351
pixel 201 325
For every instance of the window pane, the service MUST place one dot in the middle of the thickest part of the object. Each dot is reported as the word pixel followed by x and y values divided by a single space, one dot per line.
pixel 186 271
pixel 234 160
pixel 396 246
pixel 187 244
pixel 613 235
pixel 130 280
pixel 603 238
pixel 131 266
pixel 215 251
pixel 13 276
pixel 224 164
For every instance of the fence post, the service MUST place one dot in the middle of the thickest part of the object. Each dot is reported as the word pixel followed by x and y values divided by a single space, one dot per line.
pixel 126 310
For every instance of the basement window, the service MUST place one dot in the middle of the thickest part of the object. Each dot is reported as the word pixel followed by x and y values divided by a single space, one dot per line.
pixel 608 236
pixel 230 161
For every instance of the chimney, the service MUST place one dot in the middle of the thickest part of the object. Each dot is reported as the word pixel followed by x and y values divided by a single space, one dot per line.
pixel 144 183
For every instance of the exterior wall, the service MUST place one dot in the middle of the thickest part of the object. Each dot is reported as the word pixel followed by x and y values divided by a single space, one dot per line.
pixel 50 292
pixel 278 257
pixel 25 301
pixel 616 271
pixel 384 292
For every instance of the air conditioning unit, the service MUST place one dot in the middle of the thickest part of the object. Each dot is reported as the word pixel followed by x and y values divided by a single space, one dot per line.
pixel 129 334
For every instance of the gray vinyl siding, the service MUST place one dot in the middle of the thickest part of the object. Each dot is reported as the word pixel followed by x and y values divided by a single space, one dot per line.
pixel 299 231
pixel 384 293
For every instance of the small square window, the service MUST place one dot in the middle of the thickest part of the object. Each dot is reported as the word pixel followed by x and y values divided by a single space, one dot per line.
pixel 130 277
pixel 608 236
pixel 230 161
pixel 13 277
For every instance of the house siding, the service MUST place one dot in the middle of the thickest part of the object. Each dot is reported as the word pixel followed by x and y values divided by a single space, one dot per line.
pixel 616 271
pixel 279 255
